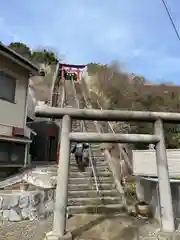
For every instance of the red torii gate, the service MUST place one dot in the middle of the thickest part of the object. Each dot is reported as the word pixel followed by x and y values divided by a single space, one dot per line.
pixel 71 68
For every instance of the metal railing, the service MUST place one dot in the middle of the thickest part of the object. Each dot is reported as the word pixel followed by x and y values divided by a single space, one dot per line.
pixel 88 104
pixel 123 154
pixel 84 128
pixel 114 169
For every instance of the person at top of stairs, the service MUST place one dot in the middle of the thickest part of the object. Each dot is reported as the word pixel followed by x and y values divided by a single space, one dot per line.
pixel 80 151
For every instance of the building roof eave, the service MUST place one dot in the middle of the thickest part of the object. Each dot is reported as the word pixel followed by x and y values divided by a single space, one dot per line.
pixel 20 60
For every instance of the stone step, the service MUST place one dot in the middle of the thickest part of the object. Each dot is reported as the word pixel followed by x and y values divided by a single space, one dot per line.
pixel 96 144
pixel 97 160
pixel 91 128
pixel 93 193
pixel 85 186
pixel 90 124
pixel 96 154
pixel 98 168
pixel 90 179
pixel 97 165
pixel 87 174
pixel 78 129
pixel 92 145
pixel 94 149
pixel 101 209
pixel 94 200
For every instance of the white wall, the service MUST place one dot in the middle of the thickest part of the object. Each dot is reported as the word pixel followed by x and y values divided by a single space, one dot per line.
pixel 14 114
pixel 144 162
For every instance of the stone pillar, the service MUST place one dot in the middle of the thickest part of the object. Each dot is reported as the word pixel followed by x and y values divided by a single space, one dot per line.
pixel 166 209
pixel 59 224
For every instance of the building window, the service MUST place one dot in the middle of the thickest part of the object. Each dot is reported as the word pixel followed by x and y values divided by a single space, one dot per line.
pixel 173 95
pixel 4 152
pixel 12 153
pixel 7 87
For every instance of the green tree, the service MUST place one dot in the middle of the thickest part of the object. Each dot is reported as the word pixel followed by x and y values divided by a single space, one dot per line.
pixel 21 48
pixel 37 56
pixel 44 56
pixel 131 92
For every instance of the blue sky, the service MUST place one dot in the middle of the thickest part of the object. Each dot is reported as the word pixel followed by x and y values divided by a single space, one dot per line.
pixel 137 33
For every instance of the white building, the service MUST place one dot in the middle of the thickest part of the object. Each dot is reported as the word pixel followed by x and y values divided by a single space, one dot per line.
pixel 14 81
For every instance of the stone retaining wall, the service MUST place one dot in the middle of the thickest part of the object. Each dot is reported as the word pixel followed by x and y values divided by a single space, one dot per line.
pixel 26 205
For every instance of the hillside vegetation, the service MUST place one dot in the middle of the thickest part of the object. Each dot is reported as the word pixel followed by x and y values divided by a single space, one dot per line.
pixel 115 89
pixel 43 58
pixel 37 56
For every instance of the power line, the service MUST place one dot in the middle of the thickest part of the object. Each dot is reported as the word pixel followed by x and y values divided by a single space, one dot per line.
pixel 171 18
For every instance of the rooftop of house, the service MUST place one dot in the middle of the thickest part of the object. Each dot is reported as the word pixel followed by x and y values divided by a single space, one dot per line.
pixel 18 59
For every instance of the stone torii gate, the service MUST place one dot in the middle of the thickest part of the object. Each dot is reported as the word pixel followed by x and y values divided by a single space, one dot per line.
pixel 67 136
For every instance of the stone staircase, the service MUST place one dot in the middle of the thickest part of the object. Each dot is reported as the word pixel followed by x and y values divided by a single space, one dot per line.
pixel 83 195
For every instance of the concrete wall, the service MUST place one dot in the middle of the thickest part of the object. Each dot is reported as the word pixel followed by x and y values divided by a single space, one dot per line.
pixel 148 191
pixel 14 114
